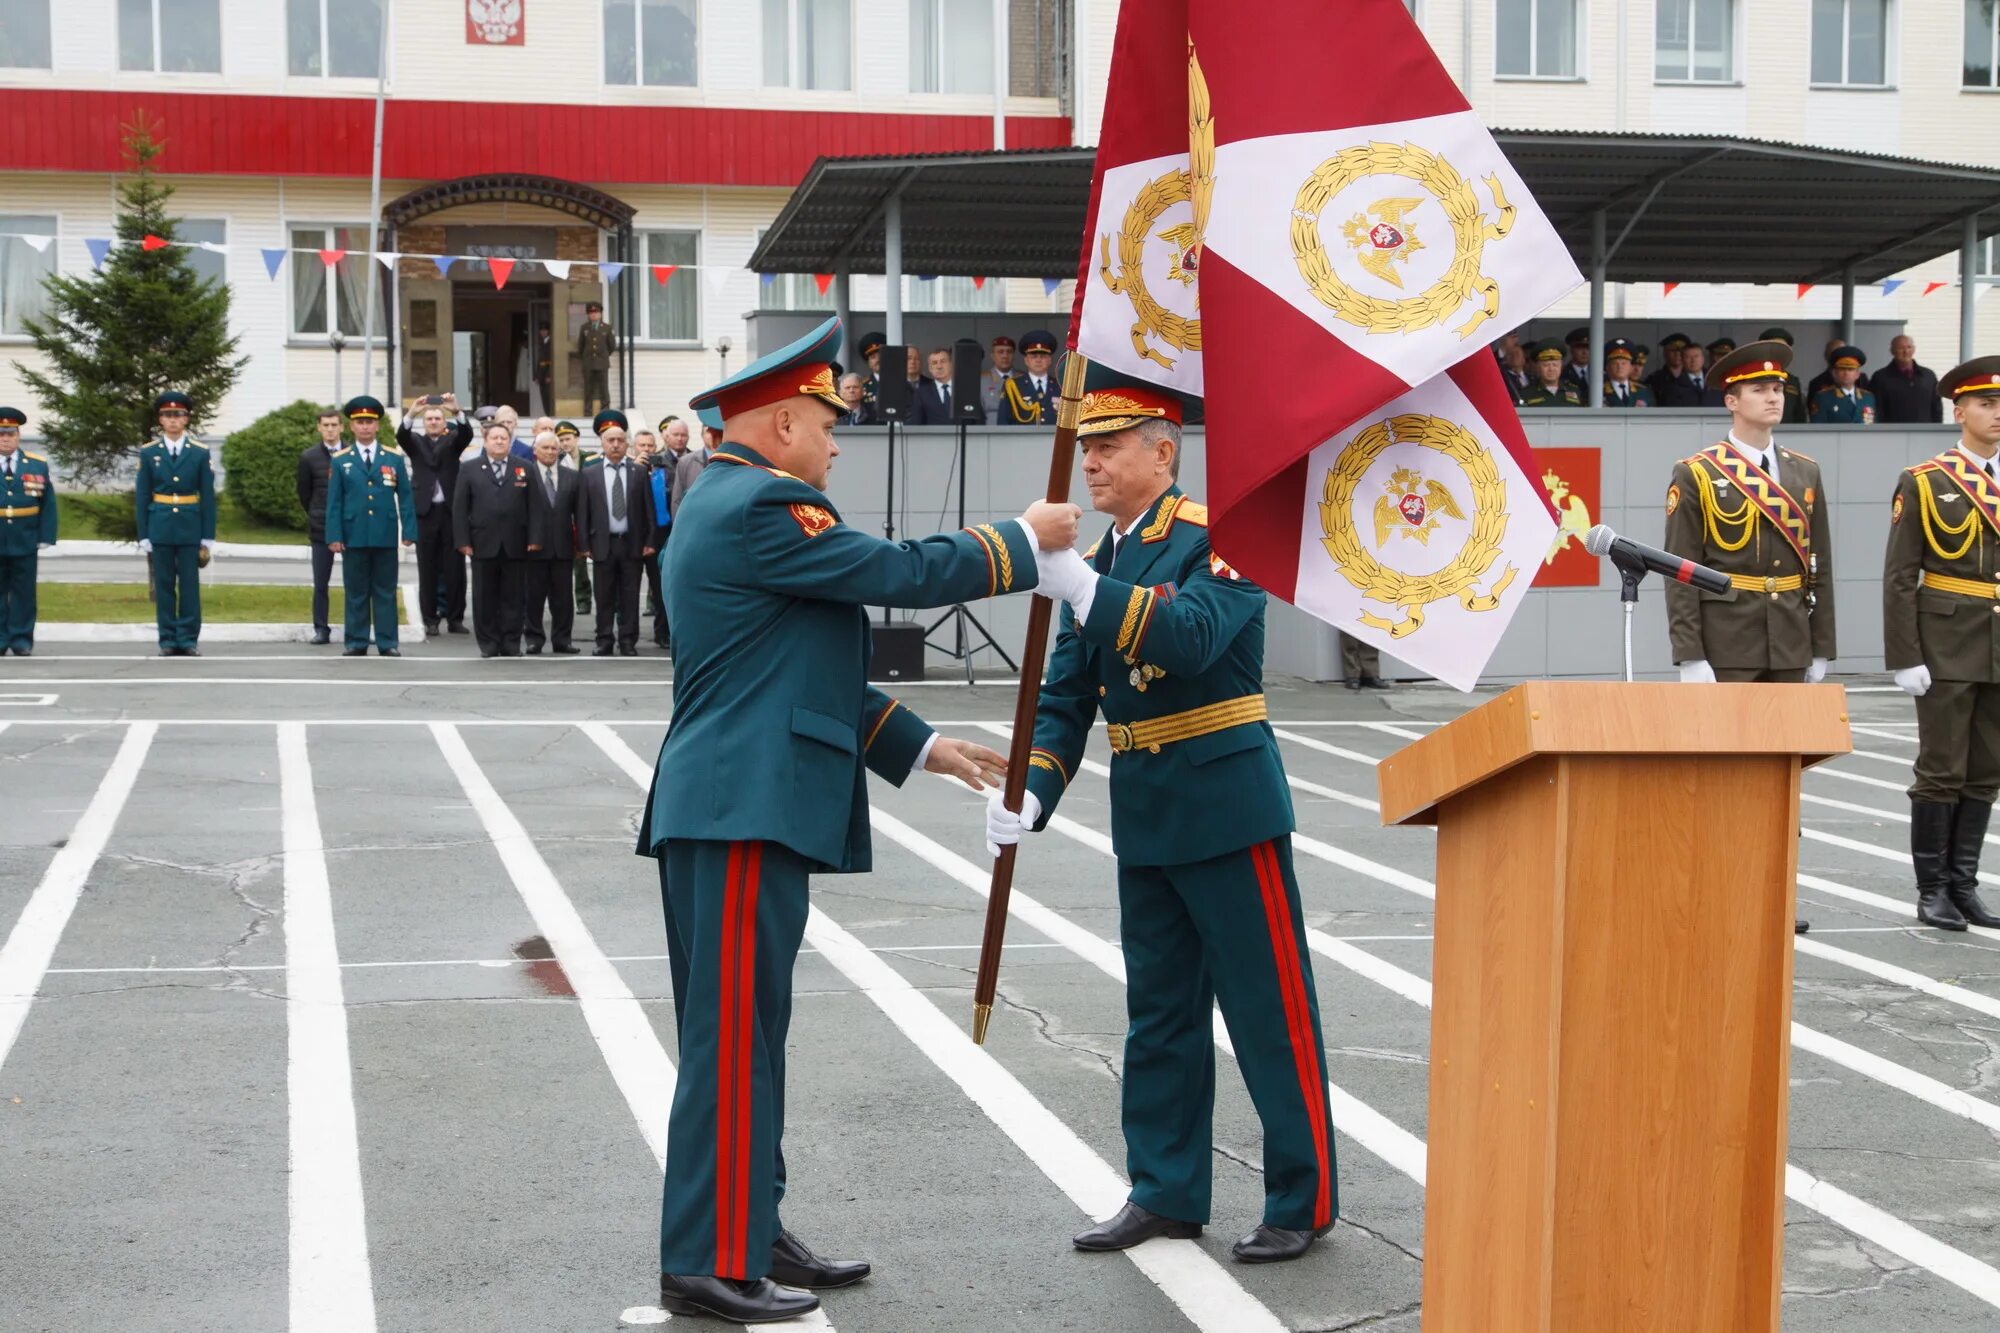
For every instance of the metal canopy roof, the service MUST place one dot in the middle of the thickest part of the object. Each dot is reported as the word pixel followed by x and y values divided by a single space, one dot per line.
pixel 1700 208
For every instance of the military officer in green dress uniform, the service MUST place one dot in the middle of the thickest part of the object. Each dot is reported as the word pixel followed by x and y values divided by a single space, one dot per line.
pixel 761 782
pixel 27 524
pixel 1757 512
pixel 595 345
pixel 368 509
pixel 1167 642
pixel 1941 636
pixel 174 501
pixel 870 347
pixel 1029 395
pixel 1620 388
pixel 1549 387
pixel 1795 392
pixel 1846 401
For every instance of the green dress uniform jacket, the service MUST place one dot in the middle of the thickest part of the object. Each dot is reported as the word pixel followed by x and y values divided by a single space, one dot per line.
pixel 369 509
pixel 27 523
pixel 174 502
pixel 594 345
pixel 1636 395
pixel 1941 570
pixel 1779 615
pixel 1831 407
pixel 1564 394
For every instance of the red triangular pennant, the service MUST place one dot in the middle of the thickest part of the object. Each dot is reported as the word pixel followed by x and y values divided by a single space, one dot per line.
pixel 978 284
pixel 1804 287
pixel 1930 287
pixel 1668 288
pixel 153 242
pixel 502 268
pixel 661 272
pixel 822 281
pixel 331 257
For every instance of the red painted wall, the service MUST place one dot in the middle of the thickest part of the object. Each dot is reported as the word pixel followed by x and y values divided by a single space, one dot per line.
pixel 229 134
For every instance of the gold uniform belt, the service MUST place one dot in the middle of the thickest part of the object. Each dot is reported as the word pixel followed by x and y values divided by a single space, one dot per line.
pixel 29 512
pixel 159 499
pixel 1965 587
pixel 1155 732
pixel 1757 583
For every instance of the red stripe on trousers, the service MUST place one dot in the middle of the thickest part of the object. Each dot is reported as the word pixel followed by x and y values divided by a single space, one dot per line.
pixel 1298 1014
pixel 746 1024
pixel 725 1076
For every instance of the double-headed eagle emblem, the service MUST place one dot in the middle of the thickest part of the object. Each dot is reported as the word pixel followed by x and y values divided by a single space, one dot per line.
pixel 1381 237
pixel 1410 512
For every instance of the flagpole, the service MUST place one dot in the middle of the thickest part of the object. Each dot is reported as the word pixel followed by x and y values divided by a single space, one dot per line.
pixel 371 285
pixel 1062 455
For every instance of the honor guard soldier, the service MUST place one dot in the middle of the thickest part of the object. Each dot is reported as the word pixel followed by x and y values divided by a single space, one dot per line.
pixel 1795 392
pixel 1167 642
pixel 1028 397
pixel 762 781
pixel 27 525
pixel 1846 401
pixel 595 344
pixel 369 508
pixel 1549 388
pixel 174 502
pixel 1620 389
pixel 1941 636
pixel 1756 512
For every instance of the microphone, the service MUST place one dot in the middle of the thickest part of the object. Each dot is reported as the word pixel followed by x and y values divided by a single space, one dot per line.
pixel 1636 558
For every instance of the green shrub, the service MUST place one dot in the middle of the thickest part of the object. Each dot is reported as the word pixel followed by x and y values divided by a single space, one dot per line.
pixel 105 517
pixel 260 463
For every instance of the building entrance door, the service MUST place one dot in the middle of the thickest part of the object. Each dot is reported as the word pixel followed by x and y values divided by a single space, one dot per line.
pixel 503 332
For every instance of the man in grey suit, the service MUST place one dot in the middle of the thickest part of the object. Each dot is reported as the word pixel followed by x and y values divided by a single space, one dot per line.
pixel 616 528
pixel 489 512
pixel 552 498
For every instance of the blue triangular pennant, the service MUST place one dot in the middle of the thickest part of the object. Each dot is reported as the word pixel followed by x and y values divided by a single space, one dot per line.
pixel 98 250
pixel 611 271
pixel 1890 285
pixel 926 277
pixel 767 278
pixel 272 259
pixel 1049 286
pixel 444 263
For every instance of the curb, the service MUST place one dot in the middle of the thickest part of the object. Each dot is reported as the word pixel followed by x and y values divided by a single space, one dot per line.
pixel 83 631
pixel 233 550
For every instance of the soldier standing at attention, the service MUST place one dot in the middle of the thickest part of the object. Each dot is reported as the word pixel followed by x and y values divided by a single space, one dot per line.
pixel 27 525
pixel 1941 636
pixel 1845 402
pixel 1756 512
pixel 368 507
pixel 174 502
pixel 595 342
pixel 1549 388
pixel 1028 397
pixel 761 783
pixel 1163 636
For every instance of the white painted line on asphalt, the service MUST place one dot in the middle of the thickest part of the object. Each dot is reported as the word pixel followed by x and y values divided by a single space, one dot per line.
pixel 1879 853
pixel 525 963
pixel 1829 771
pixel 1893 1234
pixel 1390 729
pixel 1894 816
pixel 1882 733
pixel 1901 976
pixel 1921 1086
pixel 1337 751
pixel 1901 761
pixel 331 1285
pixel 26 700
pixel 24 958
pixel 1902 907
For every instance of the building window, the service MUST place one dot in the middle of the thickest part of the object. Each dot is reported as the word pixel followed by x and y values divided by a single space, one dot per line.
pixel 792 291
pixel 1038 48
pixel 808 44
pixel 22 268
pixel 1850 42
pixel 953 295
pixel 670 311
pixel 650 42
pixel 24 34
pixel 341 38
pixel 1694 41
pixel 1536 39
pixel 1982 43
pixel 1986 258
pixel 951 46
pixel 170 36
pixel 341 287
pixel 193 232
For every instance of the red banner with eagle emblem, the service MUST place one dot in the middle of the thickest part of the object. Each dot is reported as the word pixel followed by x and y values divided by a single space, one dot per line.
pixel 1297 215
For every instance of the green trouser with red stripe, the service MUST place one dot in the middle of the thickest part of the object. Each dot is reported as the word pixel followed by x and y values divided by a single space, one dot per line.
pixel 736 913
pixel 1227 930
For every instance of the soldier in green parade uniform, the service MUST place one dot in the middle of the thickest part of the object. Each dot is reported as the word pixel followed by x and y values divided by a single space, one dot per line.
pixel 1846 401
pixel 1795 392
pixel 1941 637
pixel 27 525
pixel 1167 641
pixel 761 782
pixel 1620 388
pixel 1028 397
pixel 367 498
pixel 595 344
pixel 1550 388
pixel 174 502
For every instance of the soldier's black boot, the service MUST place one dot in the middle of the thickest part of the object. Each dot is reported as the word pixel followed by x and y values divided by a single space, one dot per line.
pixel 1968 836
pixel 1930 853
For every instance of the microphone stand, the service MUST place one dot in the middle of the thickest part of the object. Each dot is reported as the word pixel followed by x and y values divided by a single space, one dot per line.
pixel 1630 571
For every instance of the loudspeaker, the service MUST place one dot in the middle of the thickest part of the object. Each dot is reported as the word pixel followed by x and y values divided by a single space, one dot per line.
pixel 898 651
pixel 892 388
pixel 967 403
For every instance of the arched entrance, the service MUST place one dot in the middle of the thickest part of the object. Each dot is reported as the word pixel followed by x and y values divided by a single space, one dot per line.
pixel 515 344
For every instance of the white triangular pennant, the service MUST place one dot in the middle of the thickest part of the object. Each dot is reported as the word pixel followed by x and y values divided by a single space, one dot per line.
pixel 213 247
pixel 715 278
pixel 388 258
pixel 36 239
pixel 558 268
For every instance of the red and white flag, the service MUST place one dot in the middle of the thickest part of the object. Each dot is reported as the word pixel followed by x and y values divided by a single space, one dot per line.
pixel 1297 215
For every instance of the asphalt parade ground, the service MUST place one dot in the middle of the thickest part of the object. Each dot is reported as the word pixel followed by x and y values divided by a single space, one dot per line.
pixel 333 999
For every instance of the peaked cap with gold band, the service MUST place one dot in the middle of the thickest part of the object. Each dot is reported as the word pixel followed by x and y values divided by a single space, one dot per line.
pixel 1766 360
pixel 610 416
pixel 800 368
pixel 1979 377
pixel 1115 401
pixel 13 416
pixel 363 408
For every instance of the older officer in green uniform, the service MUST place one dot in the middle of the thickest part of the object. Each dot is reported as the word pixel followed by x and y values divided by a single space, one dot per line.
pixel 1167 642
pixel 1620 388
pixel 1941 636
pixel 27 525
pixel 761 783
pixel 1846 401
pixel 368 508
pixel 174 501
pixel 1550 388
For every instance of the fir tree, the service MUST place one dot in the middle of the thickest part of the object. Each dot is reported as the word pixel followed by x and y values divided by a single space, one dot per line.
pixel 114 339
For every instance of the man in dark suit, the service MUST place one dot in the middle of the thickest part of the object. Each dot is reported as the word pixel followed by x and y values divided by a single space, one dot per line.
pixel 552 497
pixel 1905 392
pixel 489 511
pixel 433 454
pixel 933 398
pixel 314 464
pixel 615 525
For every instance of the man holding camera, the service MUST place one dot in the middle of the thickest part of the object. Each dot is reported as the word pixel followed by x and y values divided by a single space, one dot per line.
pixel 433 453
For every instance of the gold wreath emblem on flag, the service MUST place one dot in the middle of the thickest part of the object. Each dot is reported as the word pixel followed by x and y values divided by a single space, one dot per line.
pixel 1193 185
pixel 1459 578
pixel 1380 236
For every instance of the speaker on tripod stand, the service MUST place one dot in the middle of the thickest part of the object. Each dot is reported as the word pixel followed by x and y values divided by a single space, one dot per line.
pixel 898 644
pixel 966 409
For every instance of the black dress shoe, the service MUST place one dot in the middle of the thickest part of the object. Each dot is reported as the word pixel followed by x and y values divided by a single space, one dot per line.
pixel 761 1301
pixel 431 628
pixel 24 652
pixel 566 649
pixel 1352 683
pixel 190 652
pixel 1271 1245
pixel 322 636
pixel 600 652
pixel 1374 683
pixel 458 627
pixel 388 652
pixel 354 652
pixel 1131 1225
pixel 794 1265
pixel 1800 926
pixel 535 651
pixel 628 650
pixel 489 652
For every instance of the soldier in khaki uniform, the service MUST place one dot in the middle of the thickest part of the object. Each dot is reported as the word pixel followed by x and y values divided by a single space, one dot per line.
pixel 1747 508
pixel 1941 636
pixel 595 342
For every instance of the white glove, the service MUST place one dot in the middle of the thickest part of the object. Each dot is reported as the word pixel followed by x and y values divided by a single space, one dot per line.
pixel 1914 681
pixel 1063 576
pixel 1697 673
pixel 1816 672
pixel 1003 826
pixel 207 545
pixel 145 546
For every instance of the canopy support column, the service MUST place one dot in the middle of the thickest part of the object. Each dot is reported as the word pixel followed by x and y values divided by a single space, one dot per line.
pixel 843 310
pixel 1598 261
pixel 1847 305
pixel 1968 275
pixel 892 268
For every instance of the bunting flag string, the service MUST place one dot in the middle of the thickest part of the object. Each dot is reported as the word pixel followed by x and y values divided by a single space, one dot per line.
pixel 661 272
pixel 99 251
pixel 610 272
pixel 1930 287
pixel 1667 288
pixel 40 242
pixel 1804 287
pixel 557 268
pixel 1049 286
pixel 444 263
pixel 502 269
pixel 822 281
pixel 272 259
pixel 1889 286
pixel 979 284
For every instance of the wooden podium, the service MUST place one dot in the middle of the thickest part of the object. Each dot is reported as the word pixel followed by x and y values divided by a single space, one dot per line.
pixel 1612 1001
